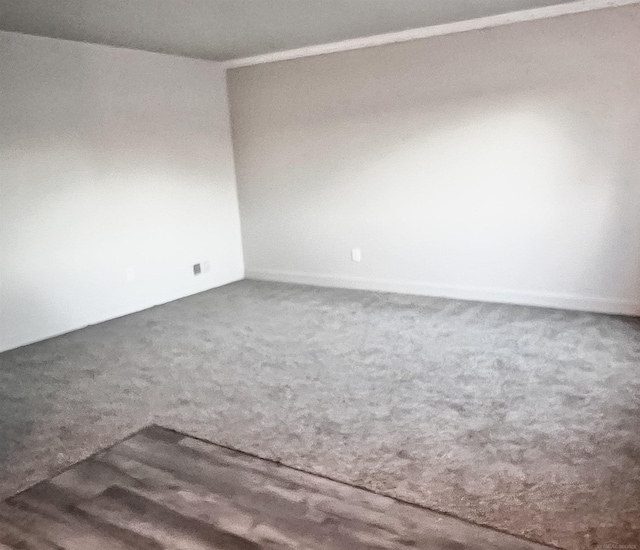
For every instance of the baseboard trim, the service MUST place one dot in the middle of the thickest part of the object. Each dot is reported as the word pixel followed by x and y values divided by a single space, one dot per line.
pixel 18 341
pixel 528 298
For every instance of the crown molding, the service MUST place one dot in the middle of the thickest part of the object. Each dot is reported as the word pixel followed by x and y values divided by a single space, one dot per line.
pixel 546 12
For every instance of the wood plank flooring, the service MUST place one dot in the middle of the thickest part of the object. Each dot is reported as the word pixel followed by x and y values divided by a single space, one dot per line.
pixel 162 490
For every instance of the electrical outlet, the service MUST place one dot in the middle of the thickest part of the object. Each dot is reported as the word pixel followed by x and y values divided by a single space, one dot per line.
pixel 206 266
pixel 197 269
pixel 130 274
pixel 356 254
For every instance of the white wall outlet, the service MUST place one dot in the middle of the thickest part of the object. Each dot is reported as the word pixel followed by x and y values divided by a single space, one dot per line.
pixel 206 266
pixel 130 274
pixel 356 254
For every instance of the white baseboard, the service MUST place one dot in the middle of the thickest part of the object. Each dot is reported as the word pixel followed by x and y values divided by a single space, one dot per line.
pixel 528 298
pixel 18 340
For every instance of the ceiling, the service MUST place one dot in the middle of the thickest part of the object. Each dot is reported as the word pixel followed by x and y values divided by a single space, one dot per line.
pixel 232 29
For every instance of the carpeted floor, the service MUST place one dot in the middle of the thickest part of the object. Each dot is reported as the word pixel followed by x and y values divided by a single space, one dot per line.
pixel 524 419
pixel 161 489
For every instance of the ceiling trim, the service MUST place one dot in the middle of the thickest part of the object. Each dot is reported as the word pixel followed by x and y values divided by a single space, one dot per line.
pixel 578 6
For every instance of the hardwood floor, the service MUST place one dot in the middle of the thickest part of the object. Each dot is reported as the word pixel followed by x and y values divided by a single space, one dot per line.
pixel 162 490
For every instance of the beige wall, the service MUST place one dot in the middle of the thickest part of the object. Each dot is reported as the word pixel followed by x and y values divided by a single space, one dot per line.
pixel 112 163
pixel 497 165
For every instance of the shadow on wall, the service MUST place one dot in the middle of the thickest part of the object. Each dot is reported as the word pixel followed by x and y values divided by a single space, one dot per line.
pixel 621 240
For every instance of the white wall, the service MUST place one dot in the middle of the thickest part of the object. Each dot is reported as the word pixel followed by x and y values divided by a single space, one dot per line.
pixel 500 165
pixel 110 160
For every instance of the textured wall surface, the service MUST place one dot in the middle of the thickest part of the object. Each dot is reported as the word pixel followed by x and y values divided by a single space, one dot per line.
pixel 498 165
pixel 110 160
pixel 520 418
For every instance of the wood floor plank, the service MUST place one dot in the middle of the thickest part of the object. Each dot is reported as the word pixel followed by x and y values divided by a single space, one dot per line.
pixel 266 497
pixel 161 490
pixel 65 526
pixel 235 513
pixel 244 516
pixel 141 515
pixel 17 534
pixel 28 529
pixel 91 477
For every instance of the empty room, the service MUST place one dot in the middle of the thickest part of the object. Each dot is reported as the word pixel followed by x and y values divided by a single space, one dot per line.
pixel 319 274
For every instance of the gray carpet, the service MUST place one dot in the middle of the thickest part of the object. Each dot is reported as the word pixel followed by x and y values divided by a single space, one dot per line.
pixel 524 419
